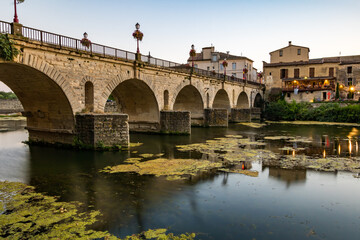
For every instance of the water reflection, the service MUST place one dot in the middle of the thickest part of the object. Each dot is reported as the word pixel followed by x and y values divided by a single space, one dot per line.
pixel 289 176
pixel 221 205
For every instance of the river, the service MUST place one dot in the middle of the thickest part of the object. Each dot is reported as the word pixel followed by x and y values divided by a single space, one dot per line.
pixel 278 204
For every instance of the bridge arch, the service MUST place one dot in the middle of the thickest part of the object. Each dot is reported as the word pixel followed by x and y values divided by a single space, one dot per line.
pixel 190 99
pixel 258 101
pixel 48 101
pixel 135 98
pixel 243 101
pixel 222 100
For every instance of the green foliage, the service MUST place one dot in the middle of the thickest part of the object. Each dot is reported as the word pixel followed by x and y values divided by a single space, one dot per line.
pixel 7 95
pixel 7 49
pixel 330 112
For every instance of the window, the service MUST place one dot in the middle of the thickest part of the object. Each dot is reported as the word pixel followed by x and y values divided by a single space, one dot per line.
pixel 350 82
pixel 233 66
pixel 331 72
pixel 281 53
pixel 288 95
pixel 296 73
pixel 270 73
pixel 312 72
pixel 208 68
pixel 283 73
pixel 299 51
pixel 214 58
pixel 213 68
pixel 234 74
pixel 221 67
pixel 195 65
pixel 349 70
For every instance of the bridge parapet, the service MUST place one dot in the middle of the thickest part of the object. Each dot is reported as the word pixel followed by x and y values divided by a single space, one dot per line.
pixel 65 42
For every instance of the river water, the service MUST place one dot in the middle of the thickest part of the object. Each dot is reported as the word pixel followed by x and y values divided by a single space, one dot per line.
pixel 278 204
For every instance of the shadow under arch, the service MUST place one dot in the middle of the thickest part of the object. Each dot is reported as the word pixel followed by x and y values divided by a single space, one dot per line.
pixel 50 116
pixel 243 101
pixel 222 100
pixel 258 101
pixel 189 99
pixel 135 98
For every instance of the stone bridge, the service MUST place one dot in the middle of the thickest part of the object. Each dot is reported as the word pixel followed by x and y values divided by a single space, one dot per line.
pixel 64 87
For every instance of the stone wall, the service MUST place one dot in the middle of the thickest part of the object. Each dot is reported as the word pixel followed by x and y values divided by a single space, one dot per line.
pixel 111 107
pixel 240 115
pixel 216 117
pixel 103 129
pixel 177 122
pixel 10 106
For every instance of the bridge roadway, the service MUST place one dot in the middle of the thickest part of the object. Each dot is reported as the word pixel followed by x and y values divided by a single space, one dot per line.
pixel 64 87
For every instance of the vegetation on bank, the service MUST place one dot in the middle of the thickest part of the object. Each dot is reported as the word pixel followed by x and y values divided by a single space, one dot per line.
pixel 280 110
pixel 7 95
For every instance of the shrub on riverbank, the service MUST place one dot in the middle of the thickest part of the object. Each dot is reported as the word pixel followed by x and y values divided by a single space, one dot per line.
pixel 331 112
pixel 7 95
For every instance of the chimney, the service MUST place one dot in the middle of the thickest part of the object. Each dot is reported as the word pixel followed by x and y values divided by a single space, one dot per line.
pixel 289 43
pixel 227 52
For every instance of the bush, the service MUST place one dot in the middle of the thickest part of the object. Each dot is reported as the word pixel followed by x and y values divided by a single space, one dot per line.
pixel 7 95
pixel 330 112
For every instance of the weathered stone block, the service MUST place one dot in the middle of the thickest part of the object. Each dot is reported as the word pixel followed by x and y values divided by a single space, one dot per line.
pixel 103 129
pixel 216 117
pixel 10 106
pixel 175 122
pixel 240 115
pixel 255 114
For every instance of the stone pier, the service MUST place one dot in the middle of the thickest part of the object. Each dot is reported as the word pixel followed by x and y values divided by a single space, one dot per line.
pixel 175 122
pixel 103 130
pixel 216 117
pixel 240 115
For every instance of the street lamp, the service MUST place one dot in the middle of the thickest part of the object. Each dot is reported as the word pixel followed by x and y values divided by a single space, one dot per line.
pixel 16 20
pixel 225 64
pixel 192 54
pixel 138 36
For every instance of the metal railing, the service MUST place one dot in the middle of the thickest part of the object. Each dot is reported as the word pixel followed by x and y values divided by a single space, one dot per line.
pixel 63 42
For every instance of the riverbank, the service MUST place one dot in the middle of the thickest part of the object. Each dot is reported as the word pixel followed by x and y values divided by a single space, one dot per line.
pixel 314 123
pixel 331 112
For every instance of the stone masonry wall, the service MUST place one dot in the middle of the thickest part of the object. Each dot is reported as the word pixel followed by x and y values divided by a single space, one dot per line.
pixel 103 129
pixel 175 122
pixel 10 106
pixel 240 115
pixel 216 117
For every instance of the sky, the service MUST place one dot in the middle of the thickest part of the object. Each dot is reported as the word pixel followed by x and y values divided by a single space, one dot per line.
pixel 250 28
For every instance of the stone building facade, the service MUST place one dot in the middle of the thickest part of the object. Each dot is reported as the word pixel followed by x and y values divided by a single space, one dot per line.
pixel 299 78
pixel 210 60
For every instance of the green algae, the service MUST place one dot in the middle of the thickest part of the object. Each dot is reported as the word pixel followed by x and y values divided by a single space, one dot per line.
pixel 240 171
pixel 252 124
pixel 131 145
pixel 132 160
pixel 173 169
pixel 31 215
pixel 146 155
pixel 278 137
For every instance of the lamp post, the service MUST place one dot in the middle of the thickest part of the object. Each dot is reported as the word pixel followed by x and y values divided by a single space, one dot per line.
pixel 15 15
pixel 352 89
pixel 225 64
pixel 192 54
pixel 138 36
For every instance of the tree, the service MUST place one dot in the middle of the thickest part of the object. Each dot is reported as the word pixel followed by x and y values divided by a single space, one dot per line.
pixel 337 94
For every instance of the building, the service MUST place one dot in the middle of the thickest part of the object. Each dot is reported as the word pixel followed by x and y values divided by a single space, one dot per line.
pixel 211 60
pixel 292 73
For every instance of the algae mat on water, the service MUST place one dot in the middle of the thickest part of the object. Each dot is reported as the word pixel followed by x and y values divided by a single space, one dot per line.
pixel 174 169
pixel 25 214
